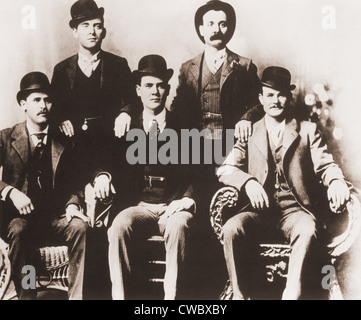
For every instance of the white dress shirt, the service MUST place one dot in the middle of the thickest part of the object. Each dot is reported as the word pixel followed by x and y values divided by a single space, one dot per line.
pixel 275 132
pixel 88 65
pixel 148 120
pixel 215 61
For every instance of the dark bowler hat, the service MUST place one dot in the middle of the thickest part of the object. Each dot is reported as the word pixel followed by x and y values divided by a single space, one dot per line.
pixel 33 82
pixel 277 78
pixel 83 10
pixel 153 65
pixel 217 6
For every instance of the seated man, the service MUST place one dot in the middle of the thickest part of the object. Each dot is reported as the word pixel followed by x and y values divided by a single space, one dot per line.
pixel 279 169
pixel 160 195
pixel 37 183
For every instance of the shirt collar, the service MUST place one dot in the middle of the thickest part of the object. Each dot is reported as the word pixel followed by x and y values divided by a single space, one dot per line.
pixel 93 59
pixel 278 127
pixel 32 133
pixel 219 55
pixel 148 118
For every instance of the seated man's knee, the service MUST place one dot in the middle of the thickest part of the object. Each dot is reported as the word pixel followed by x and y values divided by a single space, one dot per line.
pixel 239 224
pixel 179 221
pixel 77 227
pixel 120 226
pixel 304 228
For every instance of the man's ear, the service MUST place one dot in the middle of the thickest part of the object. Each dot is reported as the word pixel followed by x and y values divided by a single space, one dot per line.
pixel 260 98
pixel 23 105
pixel 201 30
pixel 137 88
pixel 104 33
pixel 75 33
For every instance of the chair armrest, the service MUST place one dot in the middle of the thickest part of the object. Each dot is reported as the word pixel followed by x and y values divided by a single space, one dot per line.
pixel 226 197
pixel 5 268
pixel 341 243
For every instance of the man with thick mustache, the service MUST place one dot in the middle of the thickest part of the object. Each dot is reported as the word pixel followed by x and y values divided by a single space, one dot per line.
pixel 38 186
pixel 284 170
pixel 218 86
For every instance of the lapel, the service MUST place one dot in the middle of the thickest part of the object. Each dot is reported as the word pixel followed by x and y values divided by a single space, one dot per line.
pixel 290 135
pixel 57 150
pixel 20 141
pixel 104 66
pixel 195 69
pixel 70 70
pixel 260 137
pixel 226 68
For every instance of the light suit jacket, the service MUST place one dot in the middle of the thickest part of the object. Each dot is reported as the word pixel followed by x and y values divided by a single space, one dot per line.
pixel 307 164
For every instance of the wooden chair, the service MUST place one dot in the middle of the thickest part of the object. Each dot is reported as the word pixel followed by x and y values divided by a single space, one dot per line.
pixel 274 256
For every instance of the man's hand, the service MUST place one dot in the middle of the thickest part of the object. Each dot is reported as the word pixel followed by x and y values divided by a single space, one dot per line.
pixel 103 187
pixel 243 130
pixel 338 194
pixel 72 211
pixel 183 204
pixel 67 128
pixel 122 124
pixel 21 201
pixel 256 194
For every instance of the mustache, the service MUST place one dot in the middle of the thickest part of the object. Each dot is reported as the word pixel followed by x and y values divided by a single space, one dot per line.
pixel 217 36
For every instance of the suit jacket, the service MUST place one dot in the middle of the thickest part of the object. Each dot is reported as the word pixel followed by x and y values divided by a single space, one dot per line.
pixel 117 89
pixel 128 179
pixel 306 163
pixel 14 158
pixel 239 89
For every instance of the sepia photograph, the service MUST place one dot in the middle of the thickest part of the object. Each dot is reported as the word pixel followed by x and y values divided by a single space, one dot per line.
pixel 186 150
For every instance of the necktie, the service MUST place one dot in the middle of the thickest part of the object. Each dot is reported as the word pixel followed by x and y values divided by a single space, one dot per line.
pixel 40 137
pixel 154 128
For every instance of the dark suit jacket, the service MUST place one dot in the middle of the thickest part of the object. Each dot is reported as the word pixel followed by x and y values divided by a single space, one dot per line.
pixel 117 89
pixel 128 179
pixel 14 158
pixel 306 163
pixel 239 91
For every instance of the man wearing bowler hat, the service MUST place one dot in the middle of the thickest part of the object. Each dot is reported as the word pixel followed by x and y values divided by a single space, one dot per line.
pixel 93 90
pixel 159 195
pixel 218 86
pixel 279 171
pixel 38 188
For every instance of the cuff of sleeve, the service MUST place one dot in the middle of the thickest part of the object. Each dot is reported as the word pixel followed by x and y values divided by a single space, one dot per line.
pixel 101 174
pixel 5 193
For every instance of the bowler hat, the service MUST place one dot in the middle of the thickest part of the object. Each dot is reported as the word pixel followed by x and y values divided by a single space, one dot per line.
pixel 83 10
pixel 216 5
pixel 277 78
pixel 153 65
pixel 33 82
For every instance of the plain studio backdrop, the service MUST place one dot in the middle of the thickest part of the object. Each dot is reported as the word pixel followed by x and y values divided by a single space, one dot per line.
pixel 318 41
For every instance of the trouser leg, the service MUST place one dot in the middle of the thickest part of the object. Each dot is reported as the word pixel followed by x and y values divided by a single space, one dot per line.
pixel 176 235
pixel 240 238
pixel 300 228
pixel 120 235
pixel 74 234
pixel 19 246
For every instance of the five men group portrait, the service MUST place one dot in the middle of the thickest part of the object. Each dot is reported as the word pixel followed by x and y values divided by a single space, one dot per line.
pixel 75 135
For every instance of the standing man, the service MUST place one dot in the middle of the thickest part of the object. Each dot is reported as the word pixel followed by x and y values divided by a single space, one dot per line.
pixel 38 183
pixel 218 86
pixel 280 170
pixel 93 87
pixel 160 195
